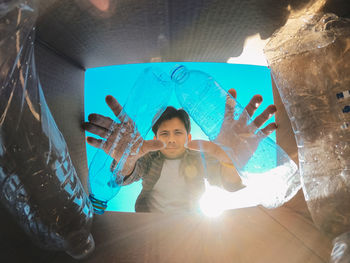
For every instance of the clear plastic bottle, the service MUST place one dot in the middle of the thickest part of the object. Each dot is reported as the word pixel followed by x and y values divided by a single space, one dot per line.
pixel 38 183
pixel 310 62
pixel 260 162
pixel 145 103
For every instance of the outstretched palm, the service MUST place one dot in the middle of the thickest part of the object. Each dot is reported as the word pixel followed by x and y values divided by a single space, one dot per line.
pixel 121 139
pixel 237 137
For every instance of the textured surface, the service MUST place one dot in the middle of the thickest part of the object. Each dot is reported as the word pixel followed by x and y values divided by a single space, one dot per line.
pixel 134 31
pixel 247 235
pixel 63 86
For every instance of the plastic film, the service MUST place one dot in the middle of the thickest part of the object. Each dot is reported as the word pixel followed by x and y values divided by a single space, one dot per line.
pixel 310 62
pixel 38 183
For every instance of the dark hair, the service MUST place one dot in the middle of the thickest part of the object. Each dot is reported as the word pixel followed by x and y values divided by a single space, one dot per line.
pixel 170 113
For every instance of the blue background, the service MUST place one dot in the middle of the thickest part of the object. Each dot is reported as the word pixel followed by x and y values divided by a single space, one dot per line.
pixel 117 81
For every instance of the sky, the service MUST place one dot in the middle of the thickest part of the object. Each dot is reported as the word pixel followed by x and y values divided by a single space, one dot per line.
pixel 117 81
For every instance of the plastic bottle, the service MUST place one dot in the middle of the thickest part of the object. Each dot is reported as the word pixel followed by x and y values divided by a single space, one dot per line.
pixel 145 103
pixel 260 162
pixel 38 183
pixel 310 62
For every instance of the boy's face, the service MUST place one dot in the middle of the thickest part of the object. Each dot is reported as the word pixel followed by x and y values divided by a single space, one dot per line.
pixel 173 133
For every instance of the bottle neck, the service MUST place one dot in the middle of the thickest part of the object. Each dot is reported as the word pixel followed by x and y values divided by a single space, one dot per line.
pixel 179 74
pixel 98 205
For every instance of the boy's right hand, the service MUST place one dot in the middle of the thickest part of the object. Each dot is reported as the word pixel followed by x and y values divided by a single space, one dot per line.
pixel 119 136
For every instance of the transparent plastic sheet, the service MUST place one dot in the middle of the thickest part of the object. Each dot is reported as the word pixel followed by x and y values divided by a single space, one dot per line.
pixel 270 175
pixel 38 183
pixel 145 103
pixel 310 62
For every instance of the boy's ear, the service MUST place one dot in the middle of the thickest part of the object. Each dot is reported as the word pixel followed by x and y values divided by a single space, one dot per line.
pixel 154 137
pixel 189 137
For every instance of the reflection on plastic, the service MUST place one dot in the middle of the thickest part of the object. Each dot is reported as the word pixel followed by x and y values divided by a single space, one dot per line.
pixel 139 113
pixel 38 183
pixel 257 158
pixel 261 189
pixel 313 83
pixel 341 249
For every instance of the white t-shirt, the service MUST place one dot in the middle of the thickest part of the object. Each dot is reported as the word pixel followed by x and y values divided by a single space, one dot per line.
pixel 170 194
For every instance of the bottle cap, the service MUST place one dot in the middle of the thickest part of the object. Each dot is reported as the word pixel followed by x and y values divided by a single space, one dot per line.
pixel 98 205
pixel 179 74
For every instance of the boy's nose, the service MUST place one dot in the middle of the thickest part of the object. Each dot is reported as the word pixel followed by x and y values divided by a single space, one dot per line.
pixel 171 138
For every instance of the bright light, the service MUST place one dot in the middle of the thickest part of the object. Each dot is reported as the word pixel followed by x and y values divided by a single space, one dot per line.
pixel 270 189
pixel 253 53
pixel 216 200
pixel 212 203
pixel 275 186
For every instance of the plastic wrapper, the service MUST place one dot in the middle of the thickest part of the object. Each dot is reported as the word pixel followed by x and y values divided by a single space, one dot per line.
pixel 38 183
pixel 310 62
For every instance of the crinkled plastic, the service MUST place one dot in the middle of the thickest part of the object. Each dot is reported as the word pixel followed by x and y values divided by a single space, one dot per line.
pixel 261 163
pixel 38 183
pixel 310 62
pixel 145 103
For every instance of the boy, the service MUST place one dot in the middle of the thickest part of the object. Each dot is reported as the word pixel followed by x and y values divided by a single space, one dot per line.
pixel 172 174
